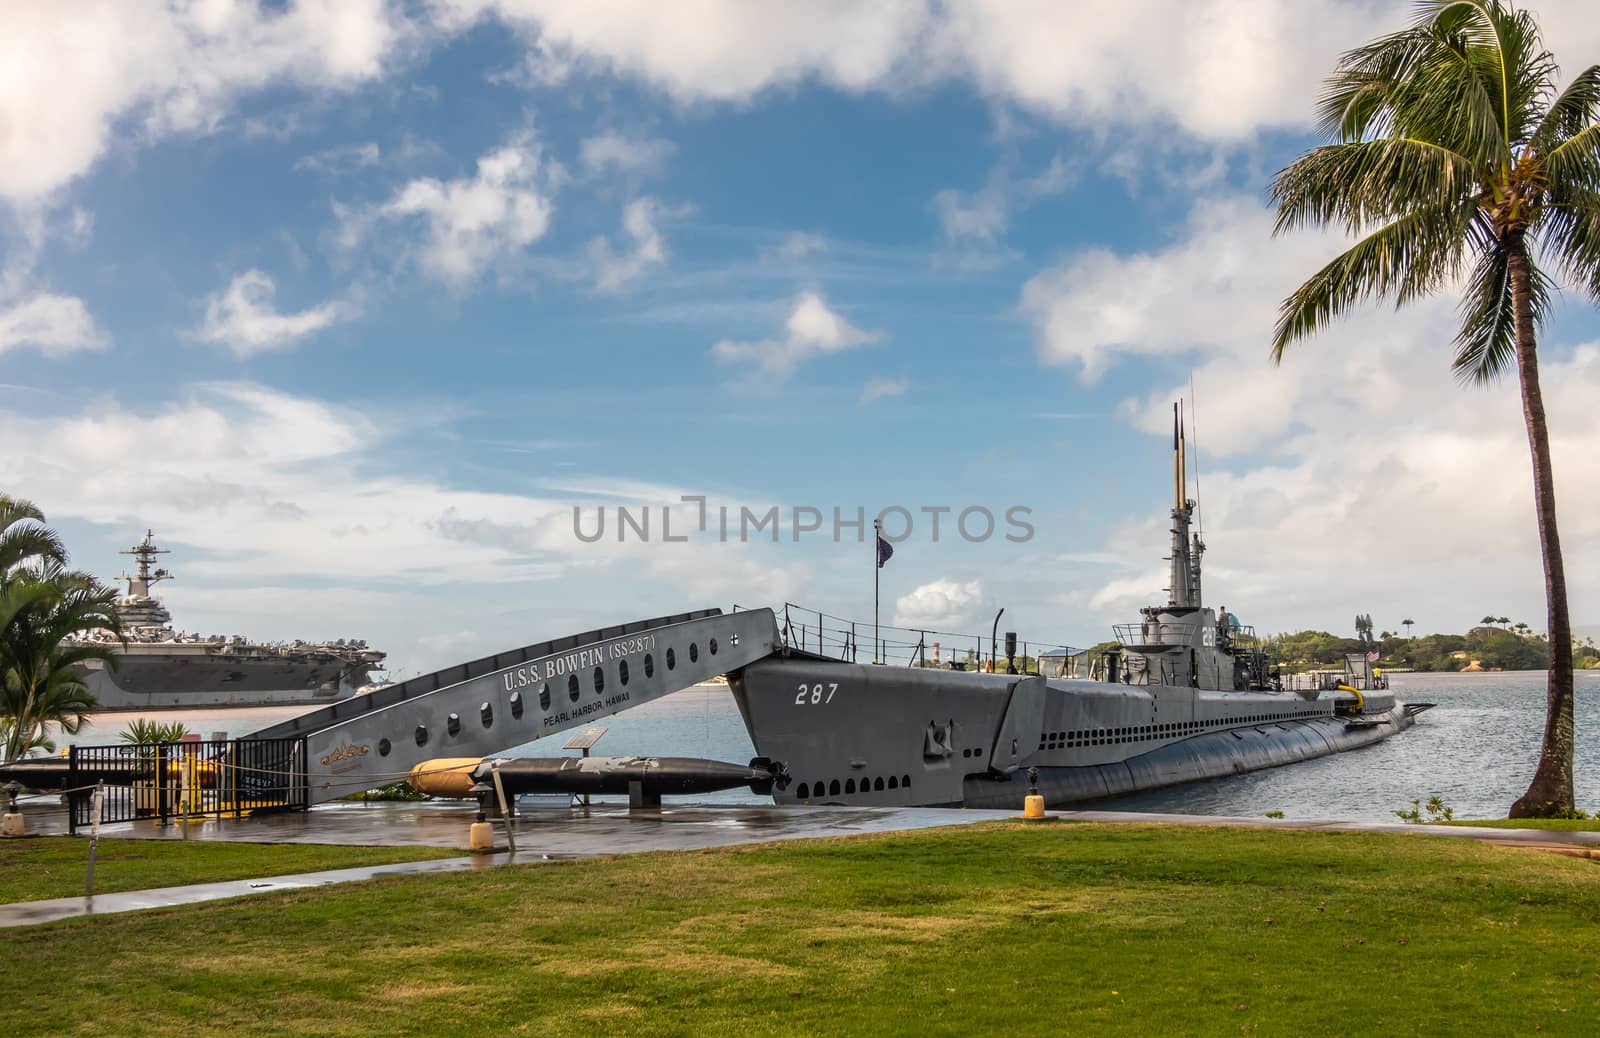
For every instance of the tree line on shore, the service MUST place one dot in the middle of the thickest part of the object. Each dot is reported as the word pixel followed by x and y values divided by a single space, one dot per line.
pixel 1484 647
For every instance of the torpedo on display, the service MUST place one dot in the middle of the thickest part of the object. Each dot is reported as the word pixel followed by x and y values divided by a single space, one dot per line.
pixel 644 779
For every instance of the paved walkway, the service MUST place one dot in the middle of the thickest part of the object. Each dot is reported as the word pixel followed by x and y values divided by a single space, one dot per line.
pixel 27 913
pixel 544 834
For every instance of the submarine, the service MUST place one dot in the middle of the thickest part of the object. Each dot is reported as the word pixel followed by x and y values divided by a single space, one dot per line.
pixel 1187 694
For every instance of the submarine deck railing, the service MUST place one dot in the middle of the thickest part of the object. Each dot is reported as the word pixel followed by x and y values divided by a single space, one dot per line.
pixel 815 631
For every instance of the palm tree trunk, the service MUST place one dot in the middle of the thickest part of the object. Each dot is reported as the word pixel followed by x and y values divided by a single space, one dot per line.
pixel 1551 790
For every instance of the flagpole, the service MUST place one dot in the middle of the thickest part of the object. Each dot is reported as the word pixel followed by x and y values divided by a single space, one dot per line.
pixel 877 532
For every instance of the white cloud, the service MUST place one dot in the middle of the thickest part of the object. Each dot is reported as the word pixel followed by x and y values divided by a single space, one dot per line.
pixel 712 49
pixel 473 221
pixel 643 249
pixel 941 605
pixel 985 213
pixel 1217 286
pixel 1358 471
pixel 1216 69
pixel 342 159
pixel 243 317
pixel 613 150
pixel 811 330
pixel 798 245
pixel 52 324
pixel 392 555
pixel 881 388
pixel 77 73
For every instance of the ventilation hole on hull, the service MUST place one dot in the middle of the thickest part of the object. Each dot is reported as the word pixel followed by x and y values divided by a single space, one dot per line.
pixel 622 672
pixel 516 702
pixel 649 665
pixel 599 681
pixel 452 724
pixel 572 688
pixel 877 784
pixel 486 714
pixel 383 747
pixel 694 653
pixel 833 788
pixel 894 783
pixel 712 645
pixel 672 659
pixel 849 786
pixel 803 791
pixel 422 735
pixel 905 781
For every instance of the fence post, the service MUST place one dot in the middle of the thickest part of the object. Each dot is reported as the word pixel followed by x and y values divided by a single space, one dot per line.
pixel 183 797
pixel 163 805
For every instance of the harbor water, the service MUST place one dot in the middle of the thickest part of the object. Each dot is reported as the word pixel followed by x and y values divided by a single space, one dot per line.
pixel 1476 750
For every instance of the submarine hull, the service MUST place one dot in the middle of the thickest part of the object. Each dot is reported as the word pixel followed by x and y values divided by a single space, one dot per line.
pixel 871 735
pixel 1202 757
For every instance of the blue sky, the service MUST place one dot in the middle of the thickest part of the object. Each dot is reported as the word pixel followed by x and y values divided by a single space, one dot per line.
pixel 354 302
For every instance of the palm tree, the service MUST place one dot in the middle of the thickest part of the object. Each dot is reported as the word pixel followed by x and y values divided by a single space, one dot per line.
pixel 42 682
pixel 1457 162
pixel 1407 624
pixel 42 603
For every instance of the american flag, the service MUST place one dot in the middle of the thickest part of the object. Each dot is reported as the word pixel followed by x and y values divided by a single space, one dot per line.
pixel 1372 656
pixel 885 551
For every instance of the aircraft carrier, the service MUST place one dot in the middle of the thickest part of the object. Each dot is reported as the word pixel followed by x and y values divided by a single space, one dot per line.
pixel 159 667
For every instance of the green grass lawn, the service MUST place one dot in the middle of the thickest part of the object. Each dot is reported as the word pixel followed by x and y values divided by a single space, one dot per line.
pixel 1570 825
pixel 36 868
pixel 1001 929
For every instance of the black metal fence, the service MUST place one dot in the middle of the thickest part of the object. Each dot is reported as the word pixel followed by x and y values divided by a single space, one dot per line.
pixel 170 781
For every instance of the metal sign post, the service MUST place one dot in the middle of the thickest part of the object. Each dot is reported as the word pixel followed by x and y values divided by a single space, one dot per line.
pixel 95 800
pixel 505 809
pixel 584 742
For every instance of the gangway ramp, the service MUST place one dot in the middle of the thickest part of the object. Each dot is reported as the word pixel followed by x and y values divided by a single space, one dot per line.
pixel 492 704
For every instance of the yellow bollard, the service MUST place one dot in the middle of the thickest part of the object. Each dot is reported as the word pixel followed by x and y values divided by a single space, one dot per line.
pixel 1033 807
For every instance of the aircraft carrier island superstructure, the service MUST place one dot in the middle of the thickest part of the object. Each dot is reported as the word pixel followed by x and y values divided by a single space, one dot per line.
pixel 158 667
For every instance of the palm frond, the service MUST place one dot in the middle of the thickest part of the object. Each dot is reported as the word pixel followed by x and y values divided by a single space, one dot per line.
pixel 22 543
pixel 1575 161
pixel 1405 258
pixel 1486 345
pixel 1363 182
pixel 1417 83
pixel 1577 109
pixel 1570 234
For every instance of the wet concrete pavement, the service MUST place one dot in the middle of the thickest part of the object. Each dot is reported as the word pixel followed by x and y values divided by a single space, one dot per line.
pixel 27 913
pixel 605 828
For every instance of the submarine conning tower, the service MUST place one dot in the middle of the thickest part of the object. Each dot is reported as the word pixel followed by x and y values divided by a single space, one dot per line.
pixel 1183 592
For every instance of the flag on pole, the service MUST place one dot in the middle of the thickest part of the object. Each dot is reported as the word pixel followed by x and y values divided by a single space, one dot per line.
pixel 1372 656
pixel 885 551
